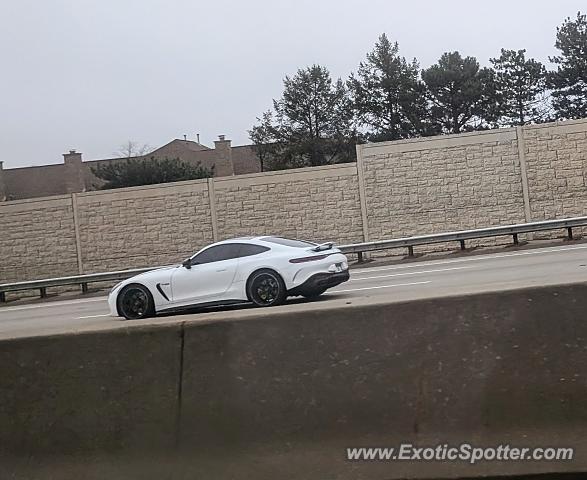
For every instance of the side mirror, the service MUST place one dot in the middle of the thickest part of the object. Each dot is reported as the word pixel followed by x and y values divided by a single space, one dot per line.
pixel 187 263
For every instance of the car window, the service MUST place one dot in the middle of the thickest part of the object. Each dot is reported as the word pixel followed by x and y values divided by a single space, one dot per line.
pixel 217 253
pixel 247 250
pixel 288 242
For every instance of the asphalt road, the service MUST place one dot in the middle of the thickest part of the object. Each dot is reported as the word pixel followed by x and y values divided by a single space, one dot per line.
pixel 398 282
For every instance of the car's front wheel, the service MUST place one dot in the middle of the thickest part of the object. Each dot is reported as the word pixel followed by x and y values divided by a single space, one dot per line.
pixel 135 302
pixel 266 288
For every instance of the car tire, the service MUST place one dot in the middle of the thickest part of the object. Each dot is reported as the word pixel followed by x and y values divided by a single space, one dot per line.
pixel 314 293
pixel 266 288
pixel 135 302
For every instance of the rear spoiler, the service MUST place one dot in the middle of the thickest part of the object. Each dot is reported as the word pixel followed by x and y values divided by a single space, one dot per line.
pixel 323 246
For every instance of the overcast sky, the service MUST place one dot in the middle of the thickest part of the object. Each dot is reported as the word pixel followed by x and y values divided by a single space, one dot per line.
pixel 92 75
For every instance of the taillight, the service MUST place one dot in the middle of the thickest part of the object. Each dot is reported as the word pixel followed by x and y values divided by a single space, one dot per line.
pixel 308 259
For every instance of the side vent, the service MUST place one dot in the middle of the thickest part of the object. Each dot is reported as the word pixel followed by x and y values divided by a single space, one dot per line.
pixel 162 292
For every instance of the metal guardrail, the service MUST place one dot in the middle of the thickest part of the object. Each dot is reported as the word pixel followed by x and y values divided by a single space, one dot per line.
pixel 462 236
pixel 359 249
pixel 82 280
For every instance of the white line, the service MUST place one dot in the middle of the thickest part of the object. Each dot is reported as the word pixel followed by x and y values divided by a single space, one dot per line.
pixel 53 304
pixel 94 316
pixel 409 273
pixel 470 259
pixel 380 286
pixel 540 251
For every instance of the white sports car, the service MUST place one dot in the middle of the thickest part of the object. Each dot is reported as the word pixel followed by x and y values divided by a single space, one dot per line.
pixel 262 270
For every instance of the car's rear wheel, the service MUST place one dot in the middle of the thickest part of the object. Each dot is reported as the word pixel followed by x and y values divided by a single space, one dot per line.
pixel 314 293
pixel 266 288
pixel 135 302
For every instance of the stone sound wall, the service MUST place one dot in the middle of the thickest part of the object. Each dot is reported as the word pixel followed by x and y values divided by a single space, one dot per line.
pixel 395 189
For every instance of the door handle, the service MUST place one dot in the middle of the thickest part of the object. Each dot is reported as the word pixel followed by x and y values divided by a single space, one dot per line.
pixel 221 270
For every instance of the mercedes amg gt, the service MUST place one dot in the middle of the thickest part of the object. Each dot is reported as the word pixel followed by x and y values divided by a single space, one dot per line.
pixel 260 270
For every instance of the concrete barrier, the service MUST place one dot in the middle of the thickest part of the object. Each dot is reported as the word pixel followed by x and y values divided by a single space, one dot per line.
pixel 282 395
pixel 74 398
pixel 485 369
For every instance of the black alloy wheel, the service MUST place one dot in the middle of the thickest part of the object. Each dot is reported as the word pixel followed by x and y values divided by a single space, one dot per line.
pixel 135 302
pixel 266 288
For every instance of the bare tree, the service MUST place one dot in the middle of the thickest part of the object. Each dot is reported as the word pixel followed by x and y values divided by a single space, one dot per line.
pixel 132 149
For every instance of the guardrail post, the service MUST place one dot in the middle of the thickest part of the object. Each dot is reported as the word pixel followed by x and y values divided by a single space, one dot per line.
pixel 570 233
pixel 2 297
pixel 43 291
pixel 84 287
pixel 462 244
pixel 359 257
pixel 410 251
pixel 516 241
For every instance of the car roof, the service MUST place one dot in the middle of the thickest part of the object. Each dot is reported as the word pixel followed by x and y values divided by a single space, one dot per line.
pixel 258 240
pixel 238 239
pixel 261 239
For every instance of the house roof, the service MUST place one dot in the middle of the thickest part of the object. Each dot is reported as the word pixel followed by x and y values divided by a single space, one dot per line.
pixel 188 144
pixel 195 146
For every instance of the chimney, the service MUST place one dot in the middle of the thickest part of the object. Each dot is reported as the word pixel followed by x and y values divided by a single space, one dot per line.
pixel 224 166
pixel 72 156
pixel 3 193
pixel 74 173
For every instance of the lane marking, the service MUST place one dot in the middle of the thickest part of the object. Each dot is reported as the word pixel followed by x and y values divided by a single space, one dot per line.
pixel 410 273
pixel 479 258
pixel 94 316
pixel 381 286
pixel 53 304
pixel 471 259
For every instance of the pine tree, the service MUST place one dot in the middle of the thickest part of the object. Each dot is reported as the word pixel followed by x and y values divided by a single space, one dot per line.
pixel 310 125
pixel 133 172
pixel 521 87
pixel 569 81
pixel 388 96
pixel 463 96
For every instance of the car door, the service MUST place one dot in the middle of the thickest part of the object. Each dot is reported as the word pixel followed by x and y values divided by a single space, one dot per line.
pixel 210 275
